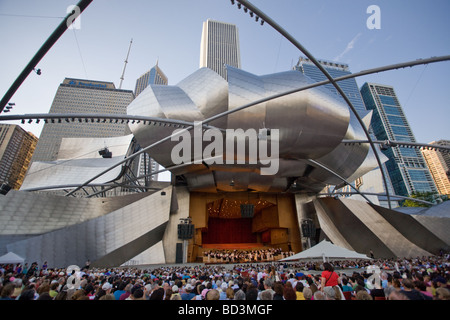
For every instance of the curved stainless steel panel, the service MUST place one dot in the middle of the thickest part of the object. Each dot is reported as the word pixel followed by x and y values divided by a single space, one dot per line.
pixel 209 92
pixel 107 240
pixel 311 123
pixel 244 88
pixel 78 161
pixel 345 160
pixel 35 213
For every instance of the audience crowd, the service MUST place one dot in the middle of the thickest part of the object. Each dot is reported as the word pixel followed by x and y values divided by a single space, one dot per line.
pixel 424 278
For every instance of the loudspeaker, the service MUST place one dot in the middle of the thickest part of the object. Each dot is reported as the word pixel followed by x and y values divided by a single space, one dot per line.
pixel 247 210
pixel 179 253
pixel 308 228
pixel 185 231
pixel 4 188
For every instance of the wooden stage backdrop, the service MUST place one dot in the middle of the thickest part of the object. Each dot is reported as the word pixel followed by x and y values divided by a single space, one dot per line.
pixel 217 224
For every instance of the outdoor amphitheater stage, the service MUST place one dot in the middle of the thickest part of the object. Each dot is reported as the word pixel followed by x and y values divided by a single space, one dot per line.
pixel 223 227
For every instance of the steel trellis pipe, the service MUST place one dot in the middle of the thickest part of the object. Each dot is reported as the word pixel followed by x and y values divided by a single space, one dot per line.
pixel 375 194
pixel 62 27
pixel 291 39
pixel 365 72
pixel 392 143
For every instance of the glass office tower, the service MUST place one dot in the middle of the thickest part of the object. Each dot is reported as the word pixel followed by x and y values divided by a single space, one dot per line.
pixel 349 86
pixel 406 167
pixel 219 46
pixel 153 76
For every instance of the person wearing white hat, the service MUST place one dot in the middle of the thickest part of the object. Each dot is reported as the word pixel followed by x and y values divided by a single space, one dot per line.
pixel 188 295
pixel 107 287
pixel 175 294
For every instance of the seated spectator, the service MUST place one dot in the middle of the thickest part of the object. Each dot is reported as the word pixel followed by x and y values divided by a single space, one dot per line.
pixel 422 288
pixel 442 294
pixel 319 295
pixel 188 294
pixel 7 291
pixel 213 294
pixel 363 295
pixel 265 295
pixel 307 293
pixel 410 292
pixel 299 287
pixel 345 285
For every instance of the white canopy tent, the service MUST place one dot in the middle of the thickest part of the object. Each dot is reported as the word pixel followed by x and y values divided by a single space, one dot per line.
pixel 11 257
pixel 326 250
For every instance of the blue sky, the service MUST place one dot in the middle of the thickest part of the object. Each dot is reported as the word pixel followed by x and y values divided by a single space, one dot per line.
pixel 169 31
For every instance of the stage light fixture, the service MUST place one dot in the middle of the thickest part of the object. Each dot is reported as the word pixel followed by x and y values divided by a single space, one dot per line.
pixel 105 153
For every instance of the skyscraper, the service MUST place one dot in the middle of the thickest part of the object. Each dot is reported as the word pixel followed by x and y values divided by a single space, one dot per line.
pixel 373 181
pixel 146 164
pixel 406 167
pixel 153 76
pixel 82 96
pixel 444 157
pixel 219 46
pixel 16 148
pixel 438 168
pixel 335 69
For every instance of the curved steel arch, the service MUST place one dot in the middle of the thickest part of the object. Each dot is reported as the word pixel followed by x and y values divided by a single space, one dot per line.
pixel 330 80
pixel 365 72
pixel 375 194
pixel 291 39
pixel 71 117
pixel 110 186
pixel 101 116
pixel 392 143
pixel 57 33
pixel 316 163
pixel 297 44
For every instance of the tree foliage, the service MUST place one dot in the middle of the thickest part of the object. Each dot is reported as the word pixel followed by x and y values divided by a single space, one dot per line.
pixel 426 196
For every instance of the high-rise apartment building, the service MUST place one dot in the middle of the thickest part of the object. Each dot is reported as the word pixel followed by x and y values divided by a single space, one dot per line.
pixel 406 167
pixel 82 96
pixel 438 167
pixel 444 157
pixel 153 76
pixel 219 46
pixel 16 149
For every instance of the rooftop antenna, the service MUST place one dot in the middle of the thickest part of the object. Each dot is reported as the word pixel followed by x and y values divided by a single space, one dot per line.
pixel 125 66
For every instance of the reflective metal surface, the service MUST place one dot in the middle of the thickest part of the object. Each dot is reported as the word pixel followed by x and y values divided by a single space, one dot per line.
pixel 359 226
pixel 35 213
pixel 311 123
pixel 78 160
pixel 110 237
